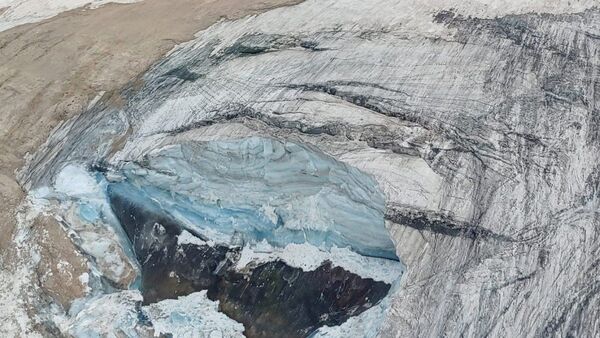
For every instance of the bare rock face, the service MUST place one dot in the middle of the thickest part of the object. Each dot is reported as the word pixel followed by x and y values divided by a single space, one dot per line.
pixel 62 274
pixel 481 132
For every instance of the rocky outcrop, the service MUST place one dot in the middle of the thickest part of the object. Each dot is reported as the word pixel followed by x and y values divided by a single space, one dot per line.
pixel 62 277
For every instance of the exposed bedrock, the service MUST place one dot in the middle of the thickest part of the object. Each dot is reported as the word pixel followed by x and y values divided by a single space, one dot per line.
pixel 481 134
pixel 271 299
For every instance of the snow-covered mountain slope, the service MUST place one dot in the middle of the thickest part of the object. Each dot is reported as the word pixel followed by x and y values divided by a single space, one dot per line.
pixel 19 12
pixel 468 130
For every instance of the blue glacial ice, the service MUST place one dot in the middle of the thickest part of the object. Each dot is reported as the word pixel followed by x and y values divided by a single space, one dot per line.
pixel 262 189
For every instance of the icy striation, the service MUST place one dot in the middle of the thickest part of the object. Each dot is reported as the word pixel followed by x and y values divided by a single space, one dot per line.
pixel 265 189
pixel 479 125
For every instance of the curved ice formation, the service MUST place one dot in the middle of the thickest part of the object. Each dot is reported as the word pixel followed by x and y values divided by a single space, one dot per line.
pixel 264 189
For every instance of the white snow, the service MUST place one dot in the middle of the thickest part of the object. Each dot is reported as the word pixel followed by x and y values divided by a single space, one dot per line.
pixel 75 181
pixel 84 278
pixel 96 99
pixel 365 325
pixel 19 12
pixel 308 257
pixel 187 238
pixel 108 315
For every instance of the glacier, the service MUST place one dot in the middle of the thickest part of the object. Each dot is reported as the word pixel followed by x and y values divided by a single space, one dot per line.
pixel 471 131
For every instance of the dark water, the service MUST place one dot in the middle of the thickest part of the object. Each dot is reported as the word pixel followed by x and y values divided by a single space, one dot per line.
pixel 271 300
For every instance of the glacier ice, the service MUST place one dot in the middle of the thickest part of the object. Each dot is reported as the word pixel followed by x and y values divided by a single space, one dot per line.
pixel 122 315
pixel 279 191
pixel 481 131
pixel 308 257
pixel 78 198
pixel 193 315
pixel 270 297
pixel 116 314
